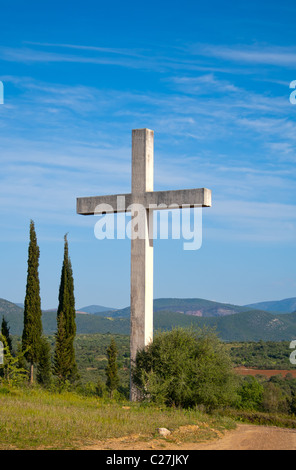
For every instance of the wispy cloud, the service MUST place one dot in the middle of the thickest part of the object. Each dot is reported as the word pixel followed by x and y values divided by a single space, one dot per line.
pixel 203 84
pixel 33 55
pixel 254 222
pixel 194 58
pixel 74 140
pixel 79 47
pixel 254 54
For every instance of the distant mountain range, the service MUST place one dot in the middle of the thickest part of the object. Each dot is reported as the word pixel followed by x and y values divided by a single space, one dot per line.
pixel 94 309
pixel 278 306
pixel 232 323
pixel 199 307
pixel 193 307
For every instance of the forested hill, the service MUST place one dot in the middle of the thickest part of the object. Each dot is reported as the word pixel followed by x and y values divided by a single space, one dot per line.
pixel 194 307
pixel 253 325
pixel 9 308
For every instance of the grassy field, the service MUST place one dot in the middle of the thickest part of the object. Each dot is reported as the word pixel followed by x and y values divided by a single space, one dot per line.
pixel 36 419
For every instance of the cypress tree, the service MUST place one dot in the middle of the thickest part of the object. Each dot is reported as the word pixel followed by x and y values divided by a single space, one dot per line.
pixel 44 364
pixel 32 331
pixel 5 332
pixel 111 369
pixel 61 356
pixel 64 359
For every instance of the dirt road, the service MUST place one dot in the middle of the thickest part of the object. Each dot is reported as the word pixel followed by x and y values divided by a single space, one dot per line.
pixel 244 437
pixel 248 437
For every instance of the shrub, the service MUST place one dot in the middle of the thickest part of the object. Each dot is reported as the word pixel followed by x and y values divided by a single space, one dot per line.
pixel 250 394
pixel 10 370
pixel 186 368
pixel 275 399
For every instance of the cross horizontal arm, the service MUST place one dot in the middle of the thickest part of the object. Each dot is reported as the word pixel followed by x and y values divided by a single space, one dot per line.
pixel 154 200
pixel 177 199
pixel 99 204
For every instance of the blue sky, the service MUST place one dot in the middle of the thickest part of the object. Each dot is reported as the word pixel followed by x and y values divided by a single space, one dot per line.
pixel 211 79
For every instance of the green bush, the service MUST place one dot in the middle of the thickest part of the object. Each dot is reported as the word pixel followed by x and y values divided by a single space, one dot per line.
pixel 11 373
pixel 186 368
pixel 275 399
pixel 250 394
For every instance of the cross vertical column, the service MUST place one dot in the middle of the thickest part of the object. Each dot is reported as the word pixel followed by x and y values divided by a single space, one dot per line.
pixel 141 247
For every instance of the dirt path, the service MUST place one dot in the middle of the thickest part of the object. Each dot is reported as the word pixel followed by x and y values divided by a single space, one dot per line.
pixel 248 437
pixel 244 437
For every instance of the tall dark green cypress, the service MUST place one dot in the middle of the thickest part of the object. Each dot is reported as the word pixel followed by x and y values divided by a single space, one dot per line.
pixel 5 331
pixel 61 361
pixel 44 365
pixel 65 367
pixel 32 332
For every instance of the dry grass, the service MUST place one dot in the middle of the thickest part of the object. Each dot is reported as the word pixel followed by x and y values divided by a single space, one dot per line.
pixel 36 419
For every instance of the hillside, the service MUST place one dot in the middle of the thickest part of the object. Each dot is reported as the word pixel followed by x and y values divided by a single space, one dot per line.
pixel 257 325
pixel 278 306
pixel 8 308
pixel 96 309
pixel 252 325
pixel 86 323
pixel 197 307
pixel 194 307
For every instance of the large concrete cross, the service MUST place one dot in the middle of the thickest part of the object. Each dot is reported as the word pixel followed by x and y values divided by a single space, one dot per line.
pixel 142 195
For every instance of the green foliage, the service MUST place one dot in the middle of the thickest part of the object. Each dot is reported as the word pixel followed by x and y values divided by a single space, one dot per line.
pixel 274 398
pixel 100 388
pixel 65 366
pixel 185 368
pixel 261 418
pixel 250 394
pixel 5 333
pixel 262 355
pixel 32 331
pixel 62 358
pixel 44 376
pixel 91 357
pixel 11 372
pixel 274 395
pixel 112 382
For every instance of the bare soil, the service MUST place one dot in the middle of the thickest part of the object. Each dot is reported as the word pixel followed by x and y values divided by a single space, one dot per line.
pixel 244 437
pixel 266 372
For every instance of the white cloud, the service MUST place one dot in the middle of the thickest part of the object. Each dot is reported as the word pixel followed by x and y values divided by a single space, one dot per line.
pixel 254 55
